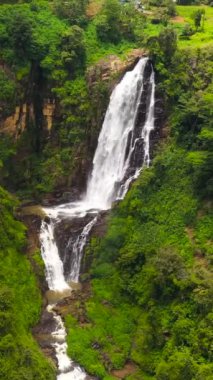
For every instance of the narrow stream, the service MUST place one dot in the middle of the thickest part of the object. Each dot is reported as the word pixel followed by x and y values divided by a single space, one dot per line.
pixel 122 151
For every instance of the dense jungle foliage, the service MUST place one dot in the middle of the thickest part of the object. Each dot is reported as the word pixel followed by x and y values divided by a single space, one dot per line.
pixel 151 275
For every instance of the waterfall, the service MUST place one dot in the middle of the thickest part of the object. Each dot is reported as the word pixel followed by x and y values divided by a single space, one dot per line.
pixel 149 124
pixel 123 150
pixel 53 264
pixel 78 248
pixel 145 136
pixel 109 162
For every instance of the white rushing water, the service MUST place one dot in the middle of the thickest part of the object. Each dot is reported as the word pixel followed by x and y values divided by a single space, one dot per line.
pixel 53 264
pixel 109 164
pixel 145 136
pixel 67 369
pixel 108 181
pixel 78 249
pixel 149 124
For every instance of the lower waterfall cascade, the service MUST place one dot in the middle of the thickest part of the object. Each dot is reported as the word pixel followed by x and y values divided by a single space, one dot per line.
pixel 123 150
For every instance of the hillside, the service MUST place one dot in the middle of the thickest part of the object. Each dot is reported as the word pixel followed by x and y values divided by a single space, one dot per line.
pixel 145 307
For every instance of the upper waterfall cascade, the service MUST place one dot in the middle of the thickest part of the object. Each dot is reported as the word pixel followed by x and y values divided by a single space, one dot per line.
pixel 110 161
pixel 113 171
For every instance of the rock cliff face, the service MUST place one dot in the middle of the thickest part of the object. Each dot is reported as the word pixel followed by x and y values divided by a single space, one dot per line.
pixel 113 67
pixel 40 108
pixel 25 114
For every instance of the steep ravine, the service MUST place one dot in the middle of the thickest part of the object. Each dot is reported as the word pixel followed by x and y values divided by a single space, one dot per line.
pixel 67 229
pixel 119 158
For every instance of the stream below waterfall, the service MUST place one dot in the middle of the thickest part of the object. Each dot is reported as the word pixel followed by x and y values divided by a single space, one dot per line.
pixel 122 151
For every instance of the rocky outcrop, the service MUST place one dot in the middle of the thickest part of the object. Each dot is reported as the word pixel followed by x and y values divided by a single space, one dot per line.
pixel 66 233
pixel 24 115
pixel 113 67
pixel 42 333
pixel 39 110
pixel 48 113
pixel 15 124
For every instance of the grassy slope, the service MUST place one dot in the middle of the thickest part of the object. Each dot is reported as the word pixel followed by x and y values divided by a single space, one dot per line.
pixel 185 14
pixel 97 49
pixel 200 38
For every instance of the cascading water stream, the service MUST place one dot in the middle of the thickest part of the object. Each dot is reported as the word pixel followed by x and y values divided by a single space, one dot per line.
pixel 78 248
pixel 111 176
pixel 53 264
pixel 145 136
pixel 109 164
pixel 149 124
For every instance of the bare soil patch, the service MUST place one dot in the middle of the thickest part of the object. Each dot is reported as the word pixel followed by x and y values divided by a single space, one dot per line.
pixel 178 19
pixel 127 370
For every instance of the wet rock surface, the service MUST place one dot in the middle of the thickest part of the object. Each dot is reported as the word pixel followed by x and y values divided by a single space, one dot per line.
pixel 73 304
pixel 98 231
pixel 61 196
pixel 42 333
pixel 67 231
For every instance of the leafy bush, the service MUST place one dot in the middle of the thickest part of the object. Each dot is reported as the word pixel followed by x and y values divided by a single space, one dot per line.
pixel 116 22
pixel 74 11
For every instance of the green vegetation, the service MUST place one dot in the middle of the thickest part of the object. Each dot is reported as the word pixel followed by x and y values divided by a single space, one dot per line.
pixel 20 302
pixel 204 35
pixel 7 95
